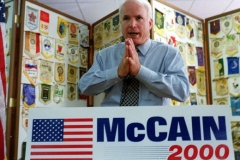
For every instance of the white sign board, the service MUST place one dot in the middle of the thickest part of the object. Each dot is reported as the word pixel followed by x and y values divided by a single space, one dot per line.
pixel 130 133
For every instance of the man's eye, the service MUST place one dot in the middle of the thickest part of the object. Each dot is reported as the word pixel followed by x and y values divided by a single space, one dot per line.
pixel 139 18
pixel 125 18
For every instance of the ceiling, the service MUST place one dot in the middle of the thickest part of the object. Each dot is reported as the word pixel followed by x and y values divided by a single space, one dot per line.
pixel 91 11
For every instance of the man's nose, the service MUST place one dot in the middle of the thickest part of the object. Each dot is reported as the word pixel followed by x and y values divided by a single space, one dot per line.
pixel 133 23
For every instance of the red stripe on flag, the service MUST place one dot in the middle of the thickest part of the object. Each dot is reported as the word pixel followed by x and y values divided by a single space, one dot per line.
pixel 62 153
pixel 78 120
pixel 77 139
pixel 61 146
pixel 79 133
pixel 78 126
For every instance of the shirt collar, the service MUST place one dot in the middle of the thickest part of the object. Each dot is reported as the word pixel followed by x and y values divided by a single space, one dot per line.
pixel 144 47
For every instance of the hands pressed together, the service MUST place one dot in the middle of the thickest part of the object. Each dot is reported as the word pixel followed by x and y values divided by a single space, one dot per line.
pixel 130 61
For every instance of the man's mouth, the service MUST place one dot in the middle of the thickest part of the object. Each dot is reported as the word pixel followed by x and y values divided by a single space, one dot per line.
pixel 133 33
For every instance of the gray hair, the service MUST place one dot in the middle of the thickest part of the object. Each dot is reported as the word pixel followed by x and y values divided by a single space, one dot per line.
pixel 145 3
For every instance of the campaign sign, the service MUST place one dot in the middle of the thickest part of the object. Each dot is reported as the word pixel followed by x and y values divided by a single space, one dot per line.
pixel 130 133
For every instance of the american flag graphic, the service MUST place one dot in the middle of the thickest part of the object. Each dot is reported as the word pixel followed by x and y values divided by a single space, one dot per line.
pixel 62 139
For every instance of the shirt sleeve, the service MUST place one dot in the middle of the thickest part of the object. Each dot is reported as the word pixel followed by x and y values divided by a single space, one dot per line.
pixel 97 79
pixel 172 82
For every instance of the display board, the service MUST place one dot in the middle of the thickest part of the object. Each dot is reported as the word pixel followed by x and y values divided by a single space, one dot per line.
pixel 223 56
pixel 54 56
pixel 224 53
pixel 131 133
pixel 184 32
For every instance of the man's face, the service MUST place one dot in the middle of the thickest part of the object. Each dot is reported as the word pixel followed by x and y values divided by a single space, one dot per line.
pixel 135 22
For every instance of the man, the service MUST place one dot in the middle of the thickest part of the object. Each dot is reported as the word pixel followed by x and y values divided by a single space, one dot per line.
pixel 158 67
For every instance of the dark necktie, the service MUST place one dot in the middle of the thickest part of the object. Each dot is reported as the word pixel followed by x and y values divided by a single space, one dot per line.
pixel 130 91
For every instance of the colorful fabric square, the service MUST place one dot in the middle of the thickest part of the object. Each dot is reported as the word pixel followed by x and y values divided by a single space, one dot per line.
pixel 60 50
pixel 172 41
pixel 44 22
pixel 221 86
pixel 32 44
pixel 59 72
pixel 234 86
pixel 73 33
pixel 47 46
pixel 98 38
pixel 218 68
pixel 180 24
pixel 107 29
pixel 46 71
pixel 72 73
pixel 193 98
pixel 83 56
pixel 182 49
pixel 215 27
pixel 84 38
pixel 73 53
pixel 231 44
pixel 200 31
pixel 216 47
pixel 71 91
pixel 31 70
pixel 29 95
pixel 62 27
pixel 190 28
pixel 58 93
pixel 201 80
pixel 235 105
pixel 236 20
pixel 202 100
pixel 233 65
pixel 226 24
pixel 180 19
pixel 31 18
pixel 200 57
pixel 159 22
pixel 170 22
pixel 115 25
pixel 191 53
pixel 45 93
pixel 192 75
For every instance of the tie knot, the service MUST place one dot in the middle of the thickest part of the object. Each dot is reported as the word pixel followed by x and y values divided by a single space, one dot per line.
pixel 129 76
pixel 137 50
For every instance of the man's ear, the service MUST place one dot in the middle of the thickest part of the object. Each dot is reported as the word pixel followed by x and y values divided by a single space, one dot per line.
pixel 150 23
